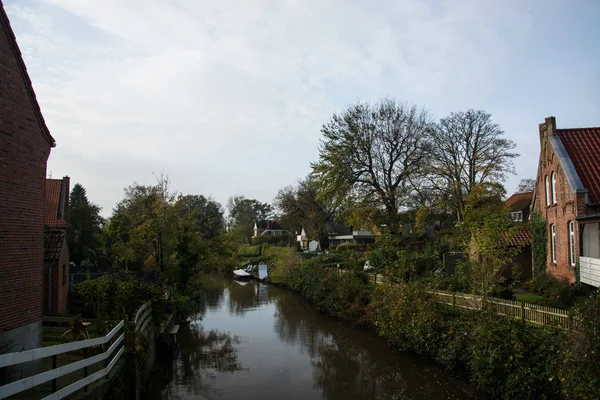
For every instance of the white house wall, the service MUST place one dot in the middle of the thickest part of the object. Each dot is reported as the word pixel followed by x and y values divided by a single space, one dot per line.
pixel 591 240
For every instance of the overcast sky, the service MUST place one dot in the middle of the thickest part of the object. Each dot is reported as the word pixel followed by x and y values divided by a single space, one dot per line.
pixel 228 97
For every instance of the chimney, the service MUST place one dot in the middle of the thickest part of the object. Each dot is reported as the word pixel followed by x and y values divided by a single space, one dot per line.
pixel 548 128
pixel 63 202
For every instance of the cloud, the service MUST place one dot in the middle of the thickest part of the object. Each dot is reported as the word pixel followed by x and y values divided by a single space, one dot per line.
pixel 228 97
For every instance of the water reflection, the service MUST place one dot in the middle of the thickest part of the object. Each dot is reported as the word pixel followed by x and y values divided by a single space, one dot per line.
pixel 281 348
pixel 202 355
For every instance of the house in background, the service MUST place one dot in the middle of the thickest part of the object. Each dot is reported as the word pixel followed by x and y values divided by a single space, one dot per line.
pixel 25 145
pixel 339 233
pixel 269 228
pixel 567 195
pixel 56 252
pixel 302 237
pixel 518 206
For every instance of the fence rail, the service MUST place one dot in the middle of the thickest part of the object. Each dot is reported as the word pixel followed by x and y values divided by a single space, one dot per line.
pixel 528 313
pixel 116 338
pixel 11 359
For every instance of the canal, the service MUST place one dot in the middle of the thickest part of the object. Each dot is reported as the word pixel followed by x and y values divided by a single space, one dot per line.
pixel 250 340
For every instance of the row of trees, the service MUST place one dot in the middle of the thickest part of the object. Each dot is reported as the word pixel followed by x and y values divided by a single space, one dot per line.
pixel 151 228
pixel 378 165
pixel 377 161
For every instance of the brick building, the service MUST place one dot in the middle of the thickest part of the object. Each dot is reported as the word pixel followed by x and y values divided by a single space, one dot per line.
pixel 567 195
pixel 56 252
pixel 518 206
pixel 25 144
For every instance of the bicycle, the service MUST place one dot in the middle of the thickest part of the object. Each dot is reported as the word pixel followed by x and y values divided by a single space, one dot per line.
pixel 77 331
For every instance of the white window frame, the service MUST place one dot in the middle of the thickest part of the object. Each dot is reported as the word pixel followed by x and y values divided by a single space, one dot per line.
pixel 547 182
pixel 553 243
pixel 572 258
pixel 516 216
pixel 554 201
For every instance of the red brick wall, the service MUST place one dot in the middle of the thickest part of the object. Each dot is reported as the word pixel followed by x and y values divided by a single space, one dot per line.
pixel 567 206
pixel 24 151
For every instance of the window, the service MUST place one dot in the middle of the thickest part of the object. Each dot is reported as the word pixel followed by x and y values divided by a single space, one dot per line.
pixel 553 188
pixel 553 243
pixel 64 273
pixel 572 259
pixel 516 216
pixel 547 191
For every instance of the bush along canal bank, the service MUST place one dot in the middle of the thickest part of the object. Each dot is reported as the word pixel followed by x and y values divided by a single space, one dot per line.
pixel 501 357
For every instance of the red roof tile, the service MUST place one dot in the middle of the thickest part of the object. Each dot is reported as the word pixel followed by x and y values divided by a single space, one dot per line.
pixel 519 201
pixel 521 238
pixel 583 146
pixel 53 241
pixel 53 192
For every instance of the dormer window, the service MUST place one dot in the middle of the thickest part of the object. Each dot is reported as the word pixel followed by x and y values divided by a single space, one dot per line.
pixel 547 181
pixel 553 188
pixel 516 216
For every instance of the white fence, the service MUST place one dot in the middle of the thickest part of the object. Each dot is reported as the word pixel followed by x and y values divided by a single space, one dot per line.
pixel 12 359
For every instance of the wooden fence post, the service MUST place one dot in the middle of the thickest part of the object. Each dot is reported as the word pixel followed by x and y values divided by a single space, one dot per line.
pixel 453 299
pixel 523 312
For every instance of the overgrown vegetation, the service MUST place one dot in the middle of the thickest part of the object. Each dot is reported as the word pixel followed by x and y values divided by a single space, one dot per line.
pixel 502 358
pixel 539 242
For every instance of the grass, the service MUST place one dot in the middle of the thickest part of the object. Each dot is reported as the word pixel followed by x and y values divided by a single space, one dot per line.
pixel 529 298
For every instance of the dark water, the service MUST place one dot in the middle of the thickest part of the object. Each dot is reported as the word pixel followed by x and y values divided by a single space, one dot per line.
pixel 258 341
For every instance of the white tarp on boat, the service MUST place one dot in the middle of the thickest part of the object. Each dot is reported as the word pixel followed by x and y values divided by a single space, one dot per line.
pixel 262 271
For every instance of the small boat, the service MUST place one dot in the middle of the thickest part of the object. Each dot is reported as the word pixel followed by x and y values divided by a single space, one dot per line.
pixel 242 273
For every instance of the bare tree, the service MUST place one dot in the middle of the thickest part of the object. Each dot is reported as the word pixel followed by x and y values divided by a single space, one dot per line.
pixel 526 185
pixel 468 149
pixel 300 205
pixel 368 155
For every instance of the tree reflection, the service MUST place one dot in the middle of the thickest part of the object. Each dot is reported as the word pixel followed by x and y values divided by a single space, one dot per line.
pixel 246 295
pixel 342 366
pixel 201 355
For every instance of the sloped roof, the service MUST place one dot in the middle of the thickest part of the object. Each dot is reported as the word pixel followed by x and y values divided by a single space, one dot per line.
pixel 16 53
pixel 53 242
pixel 521 238
pixel 519 201
pixel 583 148
pixel 54 188
pixel 271 224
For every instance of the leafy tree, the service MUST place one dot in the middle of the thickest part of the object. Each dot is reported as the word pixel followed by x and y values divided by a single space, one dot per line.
pixel 243 213
pixel 206 214
pixel 488 230
pixel 145 225
pixel 199 220
pixel 85 227
pixel 299 205
pixel 368 156
pixel 468 150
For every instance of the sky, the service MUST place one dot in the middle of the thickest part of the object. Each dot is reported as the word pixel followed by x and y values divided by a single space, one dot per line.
pixel 228 97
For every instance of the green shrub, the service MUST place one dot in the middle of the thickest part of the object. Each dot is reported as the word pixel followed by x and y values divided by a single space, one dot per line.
pixel 114 298
pixel 249 251
pixel 580 372
pixel 501 357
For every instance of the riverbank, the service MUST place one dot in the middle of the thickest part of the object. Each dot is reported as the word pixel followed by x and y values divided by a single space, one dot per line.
pixel 503 358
